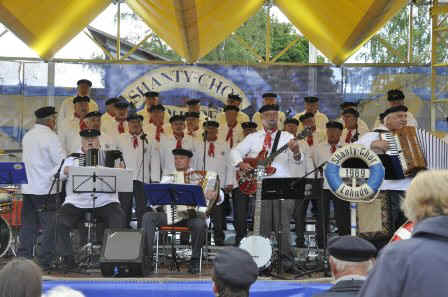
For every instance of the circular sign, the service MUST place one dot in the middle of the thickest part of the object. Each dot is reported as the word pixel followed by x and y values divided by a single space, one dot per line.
pixel 354 184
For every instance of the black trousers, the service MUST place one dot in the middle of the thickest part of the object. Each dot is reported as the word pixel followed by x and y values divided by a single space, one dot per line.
pixel 342 216
pixel 140 203
pixel 240 214
pixel 69 216
pixel 218 219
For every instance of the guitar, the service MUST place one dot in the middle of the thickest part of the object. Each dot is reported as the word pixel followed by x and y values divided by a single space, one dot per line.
pixel 247 180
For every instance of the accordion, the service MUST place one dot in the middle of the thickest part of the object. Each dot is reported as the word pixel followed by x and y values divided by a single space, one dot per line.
pixel 412 150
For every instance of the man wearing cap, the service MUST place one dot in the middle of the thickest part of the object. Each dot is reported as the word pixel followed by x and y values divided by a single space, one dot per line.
pixel 75 123
pixel 192 119
pixel 66 109
pixel 354 105
pixel 136 146
pixel 178 139
pixel 152 99
pixel 156 126
pixel 231 132
pixel 235 100
pixel 291 125
pixel 396 98
pixel 42 155
pixel 234 271
pixel 216 159
pixel 156 216
pixel 248 128
pixel 269 99
pixel 107 206
pixel 312 106
pixel 94 121
pixel 352 130
pixel 351 258
pixel 108 118
pixel 120 126
pixel 307 121
pixel 263 142
pixel 392 190
pixel 320 154
pixel 194 105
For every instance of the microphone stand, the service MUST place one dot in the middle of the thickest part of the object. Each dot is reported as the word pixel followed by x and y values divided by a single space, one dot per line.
pixel 144 140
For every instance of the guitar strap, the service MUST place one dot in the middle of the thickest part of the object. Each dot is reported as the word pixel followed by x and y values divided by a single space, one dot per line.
pixel 277 138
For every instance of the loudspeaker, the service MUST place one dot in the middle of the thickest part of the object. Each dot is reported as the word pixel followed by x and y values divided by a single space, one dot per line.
pixel 122 253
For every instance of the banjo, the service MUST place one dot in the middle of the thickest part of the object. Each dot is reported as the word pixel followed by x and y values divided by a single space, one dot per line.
pixel 259 247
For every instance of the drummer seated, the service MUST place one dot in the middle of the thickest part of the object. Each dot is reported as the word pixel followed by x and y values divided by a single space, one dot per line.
pixel 195 220
pixel 76 205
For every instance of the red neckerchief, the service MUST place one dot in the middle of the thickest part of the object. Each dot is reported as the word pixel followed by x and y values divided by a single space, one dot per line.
pixel 179 138
pixel 268 139
pixel 348 138
pixel 135 141
pixel 82 124
pixel 310 140
pixel 332 148
pixel 121 127
pixel 230 134
pixel 211 147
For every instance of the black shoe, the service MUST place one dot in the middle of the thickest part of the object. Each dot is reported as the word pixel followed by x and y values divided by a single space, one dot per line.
pixel 69 263
pixel 194 266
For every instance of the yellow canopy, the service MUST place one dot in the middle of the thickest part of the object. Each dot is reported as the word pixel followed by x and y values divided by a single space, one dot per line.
pixel 47 25
pixel 339 28
pixel 194 27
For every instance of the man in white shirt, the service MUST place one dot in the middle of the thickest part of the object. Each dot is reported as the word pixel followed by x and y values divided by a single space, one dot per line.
pixel 394 187
pixel 248 128
pixel 352 130
pixel 194 105
pixel 152 99
pixel 66 109
pixel 155 125
pixel 235 100
pixel 177 139
pixel 231 132
pixel 76 205
pixel 156 216
pixel 192 119
pixel 257 144
pixel 108 117
pixel 396 98
pixel 312 106
pixel 319 136
pixel 135 147
pixel 73 124
pixel 42 155
pixel 354 105
pixel 291 125
pixel 120 125
pixel 269 99
pixel 216 159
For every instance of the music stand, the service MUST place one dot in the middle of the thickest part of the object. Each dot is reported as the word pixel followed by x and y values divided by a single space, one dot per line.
pixel 93 180
pixel 296 189
pixel 174 194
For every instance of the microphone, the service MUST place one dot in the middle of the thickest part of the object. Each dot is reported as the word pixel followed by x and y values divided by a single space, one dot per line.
pixel 75 155
pixel 143 138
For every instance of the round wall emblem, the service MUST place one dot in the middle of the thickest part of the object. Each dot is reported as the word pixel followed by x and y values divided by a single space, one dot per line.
pixel 354 184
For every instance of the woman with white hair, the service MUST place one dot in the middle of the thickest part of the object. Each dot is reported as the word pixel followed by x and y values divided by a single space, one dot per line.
pixel 417 266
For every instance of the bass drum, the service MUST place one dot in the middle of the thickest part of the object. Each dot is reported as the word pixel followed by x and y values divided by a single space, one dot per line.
pixel 5 237
pixel 260 248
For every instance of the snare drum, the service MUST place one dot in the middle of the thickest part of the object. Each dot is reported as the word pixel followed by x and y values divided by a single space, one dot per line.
pixel 14 217
pixel 5 203
pixel 5 237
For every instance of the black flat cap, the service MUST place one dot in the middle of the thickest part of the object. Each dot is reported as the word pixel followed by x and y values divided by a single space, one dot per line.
pixel 134 116
pixel 291 121
pixel 158 107
pixel 351 248
pixel 305 116
pixel 44 112
pixel 231 108
pixel 269 107
pixel 311 99
pixel 79 99
pixel 211 124
pixel 334 124
pixel 92 114
pixel 348 104
pixel 395 95
pixel 177 117
pixel 234 97
pixel 269 95
pixel 84 81
pixel 121 104
pixel 112 100
pixel 235 267
pixel 151 94
pixel 193 102
pixel 249 125
pixel 182 152
pixel 89 133
pixel 393 109
pixel 191 114
pixel 351 111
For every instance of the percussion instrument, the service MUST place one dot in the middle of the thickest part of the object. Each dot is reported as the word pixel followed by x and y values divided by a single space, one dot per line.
pixel 5 237
pixel 208 180
pixel 5 202
pixel 259 247
pixel 14 217
pixel 404 232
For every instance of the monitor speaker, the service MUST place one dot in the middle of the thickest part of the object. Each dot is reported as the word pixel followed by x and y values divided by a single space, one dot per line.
pixel 122 253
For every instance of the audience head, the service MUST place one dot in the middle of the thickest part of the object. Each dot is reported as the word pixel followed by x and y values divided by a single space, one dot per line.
pixel 63 291
pixel 21 278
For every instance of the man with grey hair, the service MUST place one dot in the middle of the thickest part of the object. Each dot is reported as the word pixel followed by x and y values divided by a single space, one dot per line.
pixel 42 155
pixel 350 261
